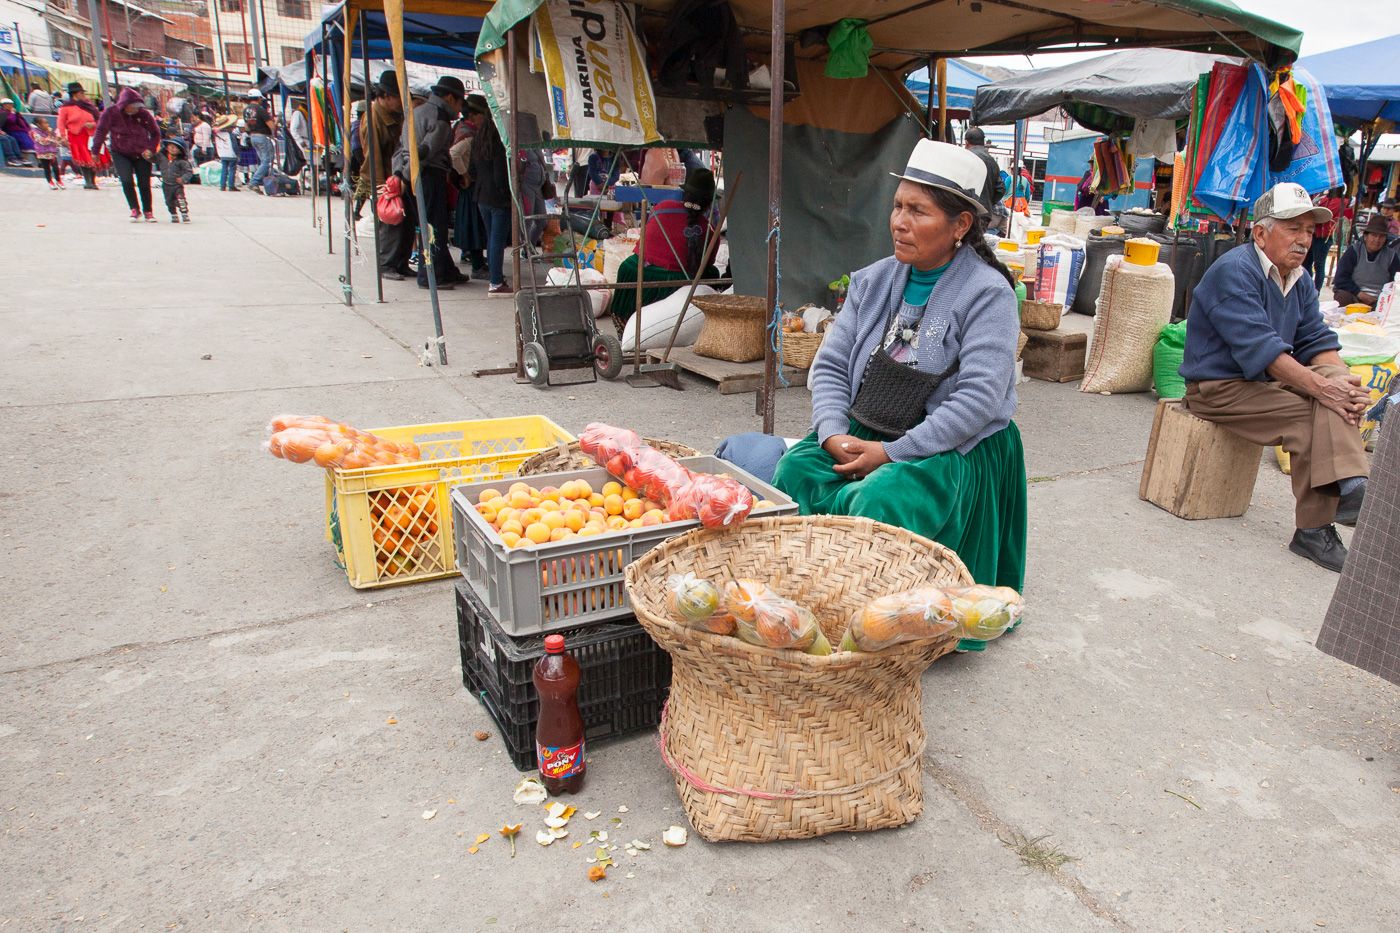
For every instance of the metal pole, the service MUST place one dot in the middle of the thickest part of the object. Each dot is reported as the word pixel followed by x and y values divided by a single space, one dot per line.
pixel 928 96
pixel 315 173
pixel 512 166
pixel 327 124
pixel 219 37
pixel 943 100
pixel 371 160
pixel 777 54
pixel 99 55
pixel 641 274
pixel 348 50
pixel 257 43
pixel 23 65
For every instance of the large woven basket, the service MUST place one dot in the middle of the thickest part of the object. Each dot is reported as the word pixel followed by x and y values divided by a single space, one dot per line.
pixel 735 327
pixel 768 744
pixel 571 457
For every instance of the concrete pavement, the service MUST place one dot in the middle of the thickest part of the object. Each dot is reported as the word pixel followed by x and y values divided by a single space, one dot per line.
pixel 195 706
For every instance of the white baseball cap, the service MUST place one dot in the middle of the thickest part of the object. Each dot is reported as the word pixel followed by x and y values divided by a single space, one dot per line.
pixel 952 168
pixel 1287 200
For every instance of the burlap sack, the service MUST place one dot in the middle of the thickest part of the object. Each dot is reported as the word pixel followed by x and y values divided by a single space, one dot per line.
pixel 1134 304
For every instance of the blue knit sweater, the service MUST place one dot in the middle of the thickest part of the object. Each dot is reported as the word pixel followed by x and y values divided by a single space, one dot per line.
pixel 970 317
pixel 1240 322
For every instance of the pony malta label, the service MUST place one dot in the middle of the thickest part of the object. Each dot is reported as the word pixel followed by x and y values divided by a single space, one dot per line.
pixel 560 761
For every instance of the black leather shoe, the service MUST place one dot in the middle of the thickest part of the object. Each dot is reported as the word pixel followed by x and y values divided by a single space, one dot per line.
pixel 1323 546
pixel 392 275
pixel 1350 506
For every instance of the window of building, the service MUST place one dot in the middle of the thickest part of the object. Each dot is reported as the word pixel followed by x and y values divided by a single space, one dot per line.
pixel 236 53
pixel 291 55
pixel 231 6
pixel 299 9
pixel 203 56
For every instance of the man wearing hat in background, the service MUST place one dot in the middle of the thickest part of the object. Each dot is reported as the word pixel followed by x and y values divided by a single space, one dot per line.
pixel 261 124
pixel 432 127
pixel 1390 210
pixel 379 135
pixel 1261 362
pixel 1367 265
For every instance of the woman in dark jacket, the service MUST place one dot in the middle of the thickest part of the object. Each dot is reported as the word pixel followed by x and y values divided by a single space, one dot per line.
pixel 133 136
pixel 493 197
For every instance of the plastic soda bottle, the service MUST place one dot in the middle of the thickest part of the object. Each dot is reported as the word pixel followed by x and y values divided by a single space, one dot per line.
pixel 559 732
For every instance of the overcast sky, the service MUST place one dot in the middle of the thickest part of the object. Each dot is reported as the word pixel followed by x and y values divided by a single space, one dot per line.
pixel 1326 25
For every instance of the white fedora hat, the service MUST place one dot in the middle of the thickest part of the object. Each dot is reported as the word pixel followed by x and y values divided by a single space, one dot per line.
pixel 952 168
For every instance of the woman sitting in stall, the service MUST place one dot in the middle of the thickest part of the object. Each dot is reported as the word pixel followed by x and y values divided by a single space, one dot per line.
pixel 671 244
pixel 914 387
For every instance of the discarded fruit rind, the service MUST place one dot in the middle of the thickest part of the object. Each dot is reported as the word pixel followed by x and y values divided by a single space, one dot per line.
pixel 529 791
pixel 675 836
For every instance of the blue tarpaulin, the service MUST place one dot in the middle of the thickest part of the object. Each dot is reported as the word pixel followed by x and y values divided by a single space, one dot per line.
pixel 1362 82
pixel 428 38
pixel 963 83
pixel 10 63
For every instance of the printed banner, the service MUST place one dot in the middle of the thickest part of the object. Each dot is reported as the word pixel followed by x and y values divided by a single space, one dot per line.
pixel 595 69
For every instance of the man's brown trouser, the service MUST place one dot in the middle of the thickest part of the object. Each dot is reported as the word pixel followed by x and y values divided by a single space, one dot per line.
pixel 1323 447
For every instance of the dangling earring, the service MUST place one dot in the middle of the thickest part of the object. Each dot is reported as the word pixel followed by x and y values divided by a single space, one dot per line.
pixel 958 245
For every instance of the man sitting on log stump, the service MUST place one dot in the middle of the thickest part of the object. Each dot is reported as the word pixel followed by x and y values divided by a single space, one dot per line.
pixel 1261 362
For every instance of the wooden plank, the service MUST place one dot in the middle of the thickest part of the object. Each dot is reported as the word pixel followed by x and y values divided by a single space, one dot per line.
pixel 730 378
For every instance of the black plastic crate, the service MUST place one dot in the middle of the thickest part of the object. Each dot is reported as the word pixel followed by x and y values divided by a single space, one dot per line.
pixel 624 678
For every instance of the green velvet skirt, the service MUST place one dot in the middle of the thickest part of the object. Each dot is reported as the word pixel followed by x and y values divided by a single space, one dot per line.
pixel 624 300
pixel 974 504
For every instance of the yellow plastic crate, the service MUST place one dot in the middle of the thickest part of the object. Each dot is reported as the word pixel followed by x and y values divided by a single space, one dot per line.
pixel 393 524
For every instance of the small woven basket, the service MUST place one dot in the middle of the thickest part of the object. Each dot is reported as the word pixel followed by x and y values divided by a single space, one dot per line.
pixel 1040 315
pixel 767 744
pixel 735 327
pixel 799 350
pixel 1021 341
pixel 571 457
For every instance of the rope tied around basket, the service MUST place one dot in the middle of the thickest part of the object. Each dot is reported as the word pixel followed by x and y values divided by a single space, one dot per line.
pixel 699 783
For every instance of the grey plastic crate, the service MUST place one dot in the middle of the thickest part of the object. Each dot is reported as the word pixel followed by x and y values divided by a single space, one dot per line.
pixel 565 584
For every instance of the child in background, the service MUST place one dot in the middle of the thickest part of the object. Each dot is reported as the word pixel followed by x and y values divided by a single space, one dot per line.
pixel 46 151
pixel 226 152
pixel 173 173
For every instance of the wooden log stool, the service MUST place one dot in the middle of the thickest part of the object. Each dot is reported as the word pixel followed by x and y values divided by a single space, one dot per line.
pixel 1196 469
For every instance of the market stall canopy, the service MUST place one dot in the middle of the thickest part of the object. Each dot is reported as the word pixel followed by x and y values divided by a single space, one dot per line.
pixel 10 63
pixel 1362 82
pixel 963 83
pixel 1147 84
pixel 434 33
pixel 905 36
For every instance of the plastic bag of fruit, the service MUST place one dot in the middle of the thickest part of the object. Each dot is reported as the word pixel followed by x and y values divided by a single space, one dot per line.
pixel 763 618
pixel 697 603
pixel 716 501
pixel 330 444
pixel 980 613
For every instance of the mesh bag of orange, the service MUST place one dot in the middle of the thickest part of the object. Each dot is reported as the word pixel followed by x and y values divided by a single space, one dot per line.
pixel 717 501
pixel 746 608
pixel 330 444
pixel 976 613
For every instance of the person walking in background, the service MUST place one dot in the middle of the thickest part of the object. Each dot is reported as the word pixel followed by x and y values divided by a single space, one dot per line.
pixel 226 152
pixel 173 172
pixel 202 136
pixel 46 151
pixel 380 134
pixel 432 126
pixel 261 125
pixel 1316 263
pixel 135 138
pixel 247 155
pixel 77 121
pixel 40 101
pixel 493 197
pixel 469 233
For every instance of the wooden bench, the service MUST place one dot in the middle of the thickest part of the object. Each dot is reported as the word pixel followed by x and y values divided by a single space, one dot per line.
pixel 1196 469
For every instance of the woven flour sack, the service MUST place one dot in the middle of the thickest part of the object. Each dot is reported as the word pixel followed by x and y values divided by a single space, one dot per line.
pixel 1057 271
pixel 659 318
pixel 600 298
pixel 1135 303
